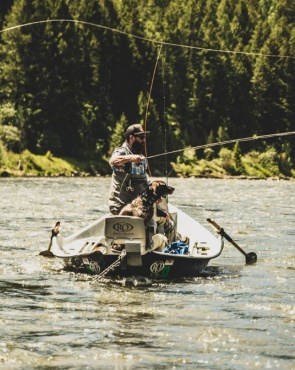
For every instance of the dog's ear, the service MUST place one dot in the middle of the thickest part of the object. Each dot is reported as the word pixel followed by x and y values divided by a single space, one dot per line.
pixel 153 187
pixel 163 189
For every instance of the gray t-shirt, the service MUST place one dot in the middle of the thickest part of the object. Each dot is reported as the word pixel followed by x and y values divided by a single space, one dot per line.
pixel 128 181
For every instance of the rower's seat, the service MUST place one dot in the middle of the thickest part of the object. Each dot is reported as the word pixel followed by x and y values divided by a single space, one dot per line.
pixel 124 229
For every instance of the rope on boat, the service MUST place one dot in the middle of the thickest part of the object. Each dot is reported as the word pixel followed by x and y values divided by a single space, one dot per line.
pixel 113 266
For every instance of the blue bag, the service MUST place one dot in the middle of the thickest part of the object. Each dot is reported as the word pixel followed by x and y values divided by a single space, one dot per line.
pixel 177 247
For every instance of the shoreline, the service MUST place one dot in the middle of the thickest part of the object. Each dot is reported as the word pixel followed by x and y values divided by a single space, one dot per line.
pixel 19 174
pixel 262 167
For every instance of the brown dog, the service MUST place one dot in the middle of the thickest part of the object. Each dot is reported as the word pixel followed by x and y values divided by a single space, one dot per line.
pixel 142 205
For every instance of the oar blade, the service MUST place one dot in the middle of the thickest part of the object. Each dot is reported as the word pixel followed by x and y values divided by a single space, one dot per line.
pixel 251 258
pixel 46 254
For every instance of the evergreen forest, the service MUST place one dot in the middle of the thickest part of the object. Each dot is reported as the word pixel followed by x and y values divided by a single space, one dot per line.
pixel 75 73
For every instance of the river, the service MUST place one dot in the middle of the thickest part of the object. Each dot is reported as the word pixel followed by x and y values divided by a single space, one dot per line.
pixel 234 316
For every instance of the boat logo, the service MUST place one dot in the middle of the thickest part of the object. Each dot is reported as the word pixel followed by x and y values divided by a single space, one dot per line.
pixel 157 266
pixel 122 227
pixel 94 266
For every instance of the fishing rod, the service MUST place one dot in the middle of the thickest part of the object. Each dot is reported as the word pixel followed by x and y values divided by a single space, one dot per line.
pixel 220 143
pixel 165 119
pixel 148 103
pixel 147 39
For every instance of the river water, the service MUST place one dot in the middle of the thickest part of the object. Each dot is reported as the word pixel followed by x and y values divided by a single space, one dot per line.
pixel 234 316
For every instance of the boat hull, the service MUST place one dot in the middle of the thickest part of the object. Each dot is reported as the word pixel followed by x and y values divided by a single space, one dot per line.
pixel 153 264
pixel 91 250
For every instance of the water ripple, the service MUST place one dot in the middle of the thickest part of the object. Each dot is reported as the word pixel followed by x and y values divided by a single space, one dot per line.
pixel 233 316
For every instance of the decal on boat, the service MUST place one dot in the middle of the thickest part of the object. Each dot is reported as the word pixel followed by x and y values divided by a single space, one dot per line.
pixel 157 267
pixel 122 227
pixel 94 266
pixel 169 262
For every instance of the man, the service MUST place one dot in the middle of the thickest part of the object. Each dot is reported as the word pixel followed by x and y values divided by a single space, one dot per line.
pixel 129 178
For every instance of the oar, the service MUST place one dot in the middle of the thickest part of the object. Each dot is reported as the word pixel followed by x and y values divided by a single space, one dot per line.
pixel 250 257
pixel 54 232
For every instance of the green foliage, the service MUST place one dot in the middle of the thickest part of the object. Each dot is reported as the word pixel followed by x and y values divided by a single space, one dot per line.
pixel 209 153
pixel 185 162
pixel 222 134
pixel 70 88
pixel 237 159
pixel 10 137
pixel 3 156
pixel 10 134
pixel 37 165
pixel 8 114
pixel 262 164
pixel 118 135
pixel 233 163
pixel 226 160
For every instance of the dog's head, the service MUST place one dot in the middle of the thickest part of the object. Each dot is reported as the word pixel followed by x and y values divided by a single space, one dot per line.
pixel 160 189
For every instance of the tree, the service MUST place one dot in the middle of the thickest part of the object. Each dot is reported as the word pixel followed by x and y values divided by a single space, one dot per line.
pixel 5 6
pixel 71 81
pixel 273 79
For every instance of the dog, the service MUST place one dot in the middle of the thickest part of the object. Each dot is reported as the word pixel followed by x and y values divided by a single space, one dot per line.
pixel 143 205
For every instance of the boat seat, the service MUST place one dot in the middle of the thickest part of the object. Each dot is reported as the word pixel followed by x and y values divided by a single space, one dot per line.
pixel 122 229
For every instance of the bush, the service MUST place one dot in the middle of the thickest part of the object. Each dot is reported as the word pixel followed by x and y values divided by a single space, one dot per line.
pixel 10 137
pixel 3 155
pixel 226 159
pixel 262 165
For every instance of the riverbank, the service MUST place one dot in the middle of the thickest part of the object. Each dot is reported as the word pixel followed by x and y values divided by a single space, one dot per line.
pixel 252 166
pixel 27 164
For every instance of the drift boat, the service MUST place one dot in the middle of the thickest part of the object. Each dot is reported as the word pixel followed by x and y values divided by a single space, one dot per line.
pixel 141 251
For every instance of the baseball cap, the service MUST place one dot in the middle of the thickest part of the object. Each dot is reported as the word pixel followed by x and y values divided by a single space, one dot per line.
pixel 135 130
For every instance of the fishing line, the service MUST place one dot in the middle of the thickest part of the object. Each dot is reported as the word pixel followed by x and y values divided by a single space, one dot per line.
pixel 148 103
pixel 220 143
pixel 147 39
pixel 165 120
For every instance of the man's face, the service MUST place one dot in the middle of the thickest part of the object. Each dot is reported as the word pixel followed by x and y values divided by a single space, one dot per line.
pixel 138 144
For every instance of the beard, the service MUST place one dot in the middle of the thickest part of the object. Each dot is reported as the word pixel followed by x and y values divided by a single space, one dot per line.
pixel 137 147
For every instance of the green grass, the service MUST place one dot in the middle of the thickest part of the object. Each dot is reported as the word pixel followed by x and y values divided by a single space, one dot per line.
pixel 253 164
pixel 28 164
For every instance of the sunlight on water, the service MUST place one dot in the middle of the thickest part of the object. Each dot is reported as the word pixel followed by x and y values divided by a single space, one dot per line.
pixel 233 316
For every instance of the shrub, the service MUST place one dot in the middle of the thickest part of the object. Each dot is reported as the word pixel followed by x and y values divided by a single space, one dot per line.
pixel 10 137
pixel 226 159
pixel 3 155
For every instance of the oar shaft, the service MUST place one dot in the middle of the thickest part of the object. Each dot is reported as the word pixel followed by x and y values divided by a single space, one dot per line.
pixel 54 232
pixel 226 236
pixel 250 257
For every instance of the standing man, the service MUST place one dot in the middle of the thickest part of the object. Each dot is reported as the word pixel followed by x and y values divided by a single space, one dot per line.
pixel 129 178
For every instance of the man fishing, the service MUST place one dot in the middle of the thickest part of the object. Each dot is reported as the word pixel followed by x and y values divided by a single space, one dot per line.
pixel 130 179
pixel 129 166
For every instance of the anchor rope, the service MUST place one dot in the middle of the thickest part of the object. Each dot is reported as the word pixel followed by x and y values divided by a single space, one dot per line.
pixel 147 39
pixel 112 267
pixel 220 143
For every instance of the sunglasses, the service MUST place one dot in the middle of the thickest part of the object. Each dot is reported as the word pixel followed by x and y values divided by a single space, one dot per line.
pixel 141 136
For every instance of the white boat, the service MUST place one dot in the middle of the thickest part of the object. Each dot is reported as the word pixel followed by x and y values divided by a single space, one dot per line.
pixel 91 249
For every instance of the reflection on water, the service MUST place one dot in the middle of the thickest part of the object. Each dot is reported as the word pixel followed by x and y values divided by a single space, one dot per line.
pixel 233 316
